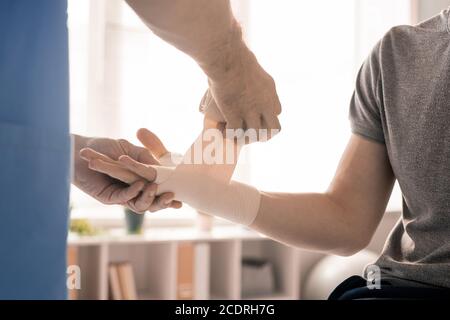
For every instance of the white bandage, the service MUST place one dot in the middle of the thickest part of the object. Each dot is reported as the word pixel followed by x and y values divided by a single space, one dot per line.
pixel 233 201
pixel 171 159
pixel 208 189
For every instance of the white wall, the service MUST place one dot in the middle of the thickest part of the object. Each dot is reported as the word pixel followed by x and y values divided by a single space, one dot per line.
pixel 428 8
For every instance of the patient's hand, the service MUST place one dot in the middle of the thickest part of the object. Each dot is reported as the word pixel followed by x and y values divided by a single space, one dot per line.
pixel 139 195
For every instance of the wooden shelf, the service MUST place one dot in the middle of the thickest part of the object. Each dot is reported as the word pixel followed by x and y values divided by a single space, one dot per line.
pixel 274 296
pixel 153 256
pixel 165 235
pixel 145 295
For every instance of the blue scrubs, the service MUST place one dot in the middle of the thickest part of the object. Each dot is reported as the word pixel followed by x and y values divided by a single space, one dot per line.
pixel 34 148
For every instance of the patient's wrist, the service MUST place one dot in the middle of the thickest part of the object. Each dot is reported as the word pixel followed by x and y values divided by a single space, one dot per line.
pixel 233 201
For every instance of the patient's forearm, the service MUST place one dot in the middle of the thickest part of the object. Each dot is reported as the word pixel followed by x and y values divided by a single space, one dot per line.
pixel 312 221
pixel 309 221
pixel 210 194
pixel 315 221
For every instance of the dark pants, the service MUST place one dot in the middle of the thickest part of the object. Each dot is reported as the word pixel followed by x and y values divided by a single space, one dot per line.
pixel 355 288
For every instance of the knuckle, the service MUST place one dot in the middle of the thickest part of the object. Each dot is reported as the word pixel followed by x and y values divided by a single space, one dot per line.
pixel 125 144
pixel 94 163
pixel 271 81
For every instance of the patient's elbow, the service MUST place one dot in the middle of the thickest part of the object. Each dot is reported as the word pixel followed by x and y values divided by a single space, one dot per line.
pixel 355 242
pixel 352 248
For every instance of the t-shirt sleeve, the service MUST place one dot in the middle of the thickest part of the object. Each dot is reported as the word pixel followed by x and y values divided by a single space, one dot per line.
pixel 365 106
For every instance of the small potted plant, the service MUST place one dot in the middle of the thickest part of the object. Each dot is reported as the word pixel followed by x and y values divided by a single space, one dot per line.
pixel 82 227
pixel 134 221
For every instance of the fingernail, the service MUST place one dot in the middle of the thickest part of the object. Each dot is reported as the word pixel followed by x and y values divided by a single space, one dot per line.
pixel 168 202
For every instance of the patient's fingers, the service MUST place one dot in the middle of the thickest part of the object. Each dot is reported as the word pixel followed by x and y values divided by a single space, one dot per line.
pixel 114 171
pixel 138 168
pixel 152 142
pixel 90 154
pixel 138 153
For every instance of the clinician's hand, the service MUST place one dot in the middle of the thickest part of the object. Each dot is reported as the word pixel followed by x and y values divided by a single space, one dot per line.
pixel 138 196
pixel 119 170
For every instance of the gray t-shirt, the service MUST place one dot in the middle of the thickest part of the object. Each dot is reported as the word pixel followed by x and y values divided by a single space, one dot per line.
pixel 402 99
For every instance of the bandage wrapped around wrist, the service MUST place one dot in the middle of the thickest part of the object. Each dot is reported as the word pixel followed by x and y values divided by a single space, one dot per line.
pixel 208 189
pixel 234 201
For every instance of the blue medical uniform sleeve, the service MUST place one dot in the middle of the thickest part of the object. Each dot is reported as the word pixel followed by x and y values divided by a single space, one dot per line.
pixel 34 149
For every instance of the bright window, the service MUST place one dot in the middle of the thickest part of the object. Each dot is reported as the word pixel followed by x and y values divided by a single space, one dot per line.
pixel 314 49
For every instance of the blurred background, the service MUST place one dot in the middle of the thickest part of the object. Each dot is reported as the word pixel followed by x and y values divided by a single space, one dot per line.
pixel 124 78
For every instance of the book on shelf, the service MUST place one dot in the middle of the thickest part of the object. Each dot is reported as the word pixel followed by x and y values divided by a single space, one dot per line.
pixel 201 275
pixel 185 271
pixel 127 282
pixel 193 271
pixel 72 260
pixel 122 281
pixel 115 292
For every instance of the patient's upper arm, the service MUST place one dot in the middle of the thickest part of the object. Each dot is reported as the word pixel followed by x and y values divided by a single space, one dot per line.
pixel 363 182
